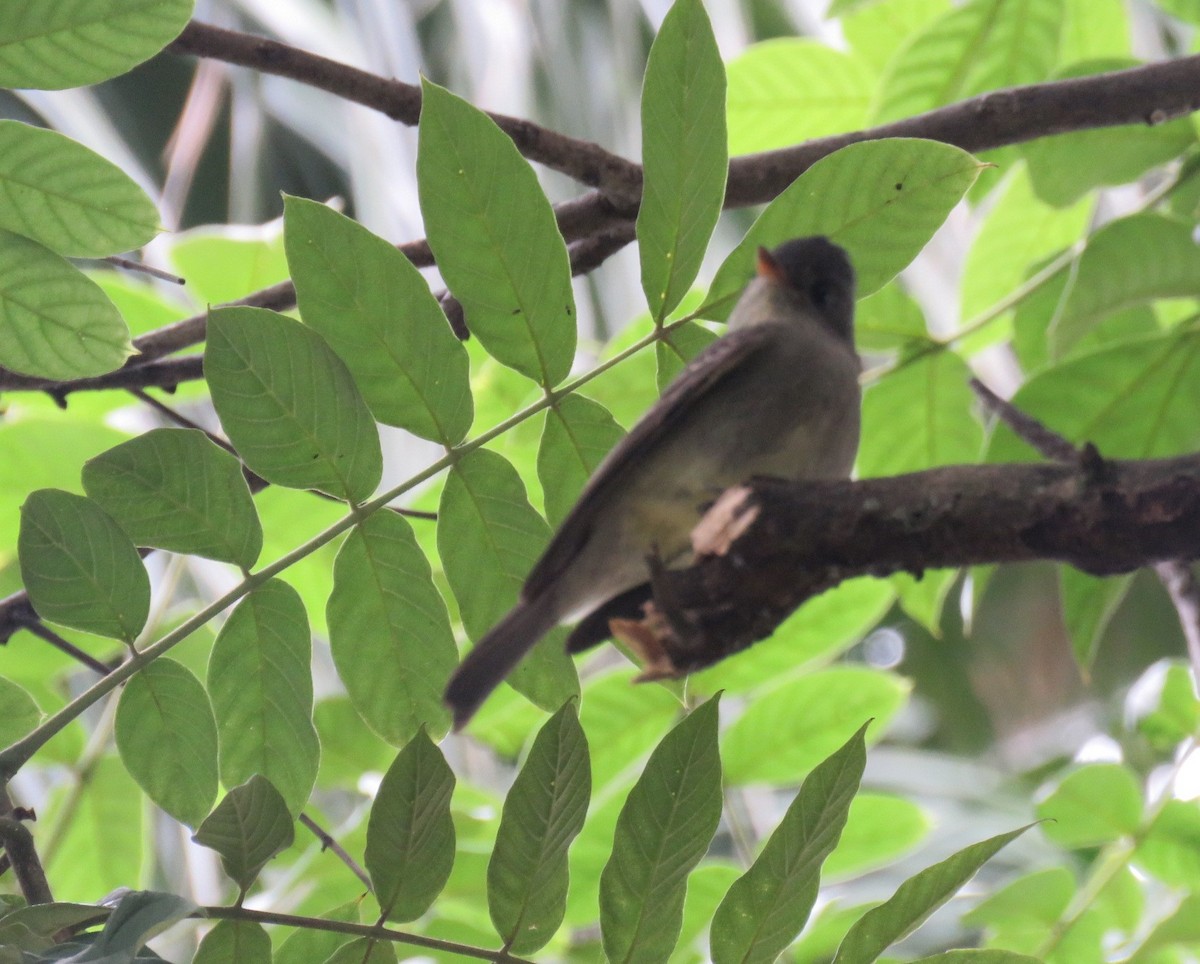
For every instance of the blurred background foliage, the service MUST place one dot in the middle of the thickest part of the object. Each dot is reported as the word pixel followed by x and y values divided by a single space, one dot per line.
pixel 997 688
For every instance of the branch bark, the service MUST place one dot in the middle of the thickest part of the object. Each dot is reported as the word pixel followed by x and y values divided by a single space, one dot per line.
pixel 768 546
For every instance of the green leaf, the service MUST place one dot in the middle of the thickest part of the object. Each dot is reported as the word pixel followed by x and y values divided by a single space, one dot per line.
pixel 880 200
pixel 919 416
pixel 222 266
pixel 835 701
pixel 915 900
pixel 577 435
pixel 54 322
pixel 260 681
pixel 1094 29
pixel 879 830
pixel 493 233
pixel 67 197
pixel 36 925
pixel 1167 711
pixel 248 827
pixel 53 46
pixel 678 347
pixel 768 905
pixel 1153 383
pixel 175 489
pixel 876 31
pixel 303 946
pixel 1067 167
pixel 684 155
pixel 1170 850
pixel 235 942
pixel 791 89
pixel 389 631
pixel 1180 928
pixel 488 539
pixel 1127 262
pixel 982 45
pixel 105 840
pixel 410 835
pixel 1089 604
pixel 814 634
pixel 289 405
pixel 376 311
pixel 168 739
pixel 364 950
pixel 888 319
pixel 79 568
pixel 1094 805
pixel 1017 232
pixel 663 830
pixel 19 713
pixel 1025 911
pixel 139 916
pixel 543 812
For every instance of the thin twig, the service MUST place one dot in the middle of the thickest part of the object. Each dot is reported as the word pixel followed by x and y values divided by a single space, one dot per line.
pixel 328 843
pixel 1045 440
pixel 30 621
pixel 139 266
pixel 357 930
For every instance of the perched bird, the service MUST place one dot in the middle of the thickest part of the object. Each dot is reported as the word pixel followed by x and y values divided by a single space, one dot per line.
pixel 776 396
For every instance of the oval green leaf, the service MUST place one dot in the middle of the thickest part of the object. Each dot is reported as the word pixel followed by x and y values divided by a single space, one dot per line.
pixel 1136 399
pixel 767 907
pixel 1092 806
pixel 880 200
pixel 410 834
pixel 543 812
pixel 493 233
pixel 175 489
pixel 54 322
pixel 58 192
pixel 1127 262
pixel 48 45
pixel 376 311
pixel 247 828
pixel 19 713
pixel 684 159
pixel 389 631
pixel 664 828
pixel 835 702
pixel 289 405
pixel 982 45
pixel 235 942
pixel 168 739
pixel 488 538
pixel 577 435
pixel 915 900
pixel 80 568
pixel 919 416
pixel 790 89
pixel 260 681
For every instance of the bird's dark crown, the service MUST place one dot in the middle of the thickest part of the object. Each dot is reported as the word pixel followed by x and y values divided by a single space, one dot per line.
pixel 821 271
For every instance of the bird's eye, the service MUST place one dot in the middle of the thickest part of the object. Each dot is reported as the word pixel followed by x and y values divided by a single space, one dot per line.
pixel 819 293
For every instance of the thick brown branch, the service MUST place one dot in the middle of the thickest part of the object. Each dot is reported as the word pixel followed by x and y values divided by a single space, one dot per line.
pixel 584 161
pixel 1141 95
pixel 771 545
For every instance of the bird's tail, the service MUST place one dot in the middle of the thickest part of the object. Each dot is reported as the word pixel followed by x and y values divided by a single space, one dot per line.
pixel 494 656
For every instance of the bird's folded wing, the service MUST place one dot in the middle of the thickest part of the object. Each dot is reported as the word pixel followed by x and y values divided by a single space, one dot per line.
pixel 701 376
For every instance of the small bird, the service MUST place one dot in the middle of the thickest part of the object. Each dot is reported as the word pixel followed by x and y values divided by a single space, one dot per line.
pixel 778 396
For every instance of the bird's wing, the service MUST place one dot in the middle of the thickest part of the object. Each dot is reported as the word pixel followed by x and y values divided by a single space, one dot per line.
pixel 703 373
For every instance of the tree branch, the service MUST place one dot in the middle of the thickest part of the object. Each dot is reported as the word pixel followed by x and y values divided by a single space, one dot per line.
pixel 768 546
pixel 1150 94
pixel 584 161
